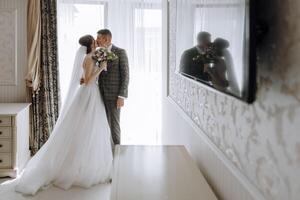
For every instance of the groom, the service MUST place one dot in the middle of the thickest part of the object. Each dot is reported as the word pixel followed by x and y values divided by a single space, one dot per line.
pixel 113 83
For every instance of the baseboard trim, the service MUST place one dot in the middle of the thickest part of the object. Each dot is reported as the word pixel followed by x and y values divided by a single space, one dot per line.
pixel 247 184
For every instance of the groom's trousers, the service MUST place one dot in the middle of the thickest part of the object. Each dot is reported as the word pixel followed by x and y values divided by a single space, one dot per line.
pixel 113 117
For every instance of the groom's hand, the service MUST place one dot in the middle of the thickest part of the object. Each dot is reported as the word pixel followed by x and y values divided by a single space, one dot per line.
pixel 120 102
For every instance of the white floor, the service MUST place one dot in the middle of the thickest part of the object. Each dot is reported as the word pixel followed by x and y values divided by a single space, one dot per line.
pixel 98 192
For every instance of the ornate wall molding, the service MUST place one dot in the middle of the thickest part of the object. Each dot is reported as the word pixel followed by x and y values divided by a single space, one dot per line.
pixel 8 51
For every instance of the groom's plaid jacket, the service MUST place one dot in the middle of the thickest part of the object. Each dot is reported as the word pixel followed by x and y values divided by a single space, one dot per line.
pixel 114 82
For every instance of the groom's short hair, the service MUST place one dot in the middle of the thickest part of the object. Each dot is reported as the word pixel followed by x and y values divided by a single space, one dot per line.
pixel 104 32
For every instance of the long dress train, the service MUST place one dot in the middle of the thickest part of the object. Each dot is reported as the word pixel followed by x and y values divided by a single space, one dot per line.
pixel 78 151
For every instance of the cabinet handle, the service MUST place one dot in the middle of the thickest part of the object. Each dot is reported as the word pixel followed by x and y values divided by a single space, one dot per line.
pixel 1 145
pixel 0 161
pixel 0 132
pixel 0 121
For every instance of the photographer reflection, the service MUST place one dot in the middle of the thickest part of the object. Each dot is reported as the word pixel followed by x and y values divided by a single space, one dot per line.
pixel 217 67
pixel 192 60
pixel 221 71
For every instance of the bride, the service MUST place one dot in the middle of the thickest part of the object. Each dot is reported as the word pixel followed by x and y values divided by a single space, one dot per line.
pixel 78 151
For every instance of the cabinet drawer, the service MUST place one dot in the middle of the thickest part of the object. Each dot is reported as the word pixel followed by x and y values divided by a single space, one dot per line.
pixel 5 121
pixel 5 160
pixel 5 132
pixel 5 146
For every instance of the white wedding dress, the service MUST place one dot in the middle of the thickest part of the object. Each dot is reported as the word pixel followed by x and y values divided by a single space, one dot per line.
pixel 78 151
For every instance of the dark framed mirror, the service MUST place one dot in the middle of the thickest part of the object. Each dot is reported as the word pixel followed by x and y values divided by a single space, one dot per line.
pixel 215 45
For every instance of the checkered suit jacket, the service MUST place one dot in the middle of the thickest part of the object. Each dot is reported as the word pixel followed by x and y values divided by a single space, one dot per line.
pixel 114 82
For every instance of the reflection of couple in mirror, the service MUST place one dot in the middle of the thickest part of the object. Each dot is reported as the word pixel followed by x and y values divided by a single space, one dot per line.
pixel 210 62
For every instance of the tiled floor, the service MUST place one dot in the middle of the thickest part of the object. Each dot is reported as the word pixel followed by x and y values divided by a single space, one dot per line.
pixel 98 192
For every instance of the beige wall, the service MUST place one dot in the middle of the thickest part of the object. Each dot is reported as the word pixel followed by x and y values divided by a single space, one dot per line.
pixel 12 50
pixel 246 151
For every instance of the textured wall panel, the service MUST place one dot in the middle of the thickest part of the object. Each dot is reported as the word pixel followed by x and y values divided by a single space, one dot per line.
pixel 8 62
pixel 13 56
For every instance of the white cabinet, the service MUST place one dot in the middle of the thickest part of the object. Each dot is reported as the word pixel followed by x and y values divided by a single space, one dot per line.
pixel 14 138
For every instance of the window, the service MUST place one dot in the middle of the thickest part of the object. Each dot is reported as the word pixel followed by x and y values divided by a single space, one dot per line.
pixel 141 36
pixel 72 24
pixel 141 118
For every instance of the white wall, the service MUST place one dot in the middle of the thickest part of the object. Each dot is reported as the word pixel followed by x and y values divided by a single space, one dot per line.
pixel 13 58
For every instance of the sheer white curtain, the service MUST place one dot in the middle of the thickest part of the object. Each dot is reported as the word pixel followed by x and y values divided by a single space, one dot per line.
pixel 185 10
pixel 136 27
pixel 75 18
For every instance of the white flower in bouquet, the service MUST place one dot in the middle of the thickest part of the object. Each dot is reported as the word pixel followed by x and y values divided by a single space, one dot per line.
pixel 102 56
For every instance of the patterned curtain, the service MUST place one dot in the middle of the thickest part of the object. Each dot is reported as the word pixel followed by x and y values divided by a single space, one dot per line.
pixel 45 101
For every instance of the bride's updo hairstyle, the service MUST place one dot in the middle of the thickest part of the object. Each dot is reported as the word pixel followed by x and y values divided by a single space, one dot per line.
pixel 87 41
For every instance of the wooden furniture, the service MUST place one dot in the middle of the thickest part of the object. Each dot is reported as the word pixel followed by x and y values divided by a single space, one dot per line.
pixel 14 138
pixel 157 173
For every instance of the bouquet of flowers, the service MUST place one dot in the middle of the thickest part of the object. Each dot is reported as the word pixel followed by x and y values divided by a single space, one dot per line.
pixel 208 56
pixel 102 56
